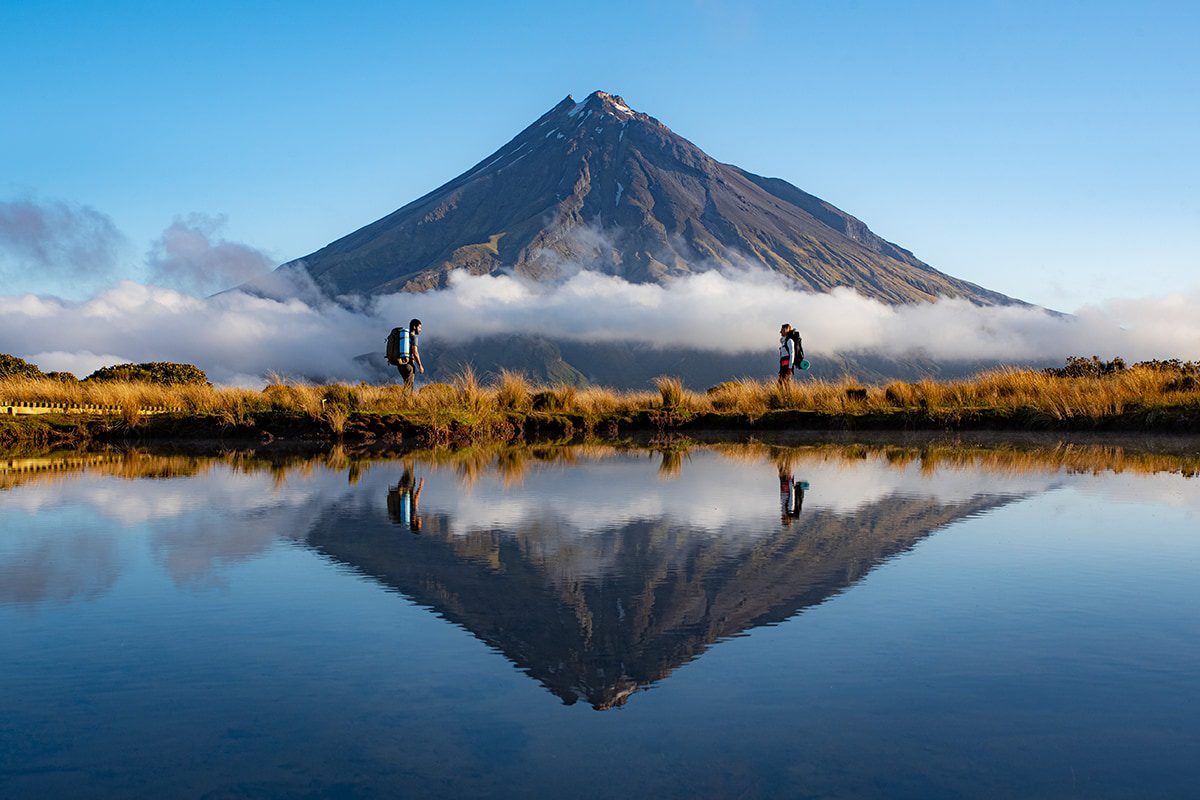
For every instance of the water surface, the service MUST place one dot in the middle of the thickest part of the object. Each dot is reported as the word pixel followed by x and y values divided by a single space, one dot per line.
pixel 749 621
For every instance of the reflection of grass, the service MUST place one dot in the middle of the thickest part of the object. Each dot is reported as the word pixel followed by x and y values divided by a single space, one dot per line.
pixel 512 462
pixel 1009 458
pixel 1016 398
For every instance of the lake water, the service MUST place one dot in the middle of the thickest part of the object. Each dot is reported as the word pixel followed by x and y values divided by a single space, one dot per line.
pixel 835 621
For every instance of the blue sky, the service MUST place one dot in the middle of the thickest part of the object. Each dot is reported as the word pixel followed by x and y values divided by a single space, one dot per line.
pixel 1044 150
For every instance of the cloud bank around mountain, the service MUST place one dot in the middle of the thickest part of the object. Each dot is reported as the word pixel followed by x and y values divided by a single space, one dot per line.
pixel 238 337
pixel 285 324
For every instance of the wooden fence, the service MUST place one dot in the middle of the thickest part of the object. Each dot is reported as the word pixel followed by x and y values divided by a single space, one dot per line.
pixel 13 409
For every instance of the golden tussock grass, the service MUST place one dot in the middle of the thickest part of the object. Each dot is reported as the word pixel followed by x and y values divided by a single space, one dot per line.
pixel 1035 394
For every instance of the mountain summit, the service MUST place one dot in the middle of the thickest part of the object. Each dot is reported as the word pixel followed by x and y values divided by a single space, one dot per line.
pixel 597 185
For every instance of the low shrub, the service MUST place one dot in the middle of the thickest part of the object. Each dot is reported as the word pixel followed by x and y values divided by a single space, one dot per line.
pixel 1081 367
pixel 164 373
pixel 14 367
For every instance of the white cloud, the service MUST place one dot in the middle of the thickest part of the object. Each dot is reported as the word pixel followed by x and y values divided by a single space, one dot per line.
pixel 235 335
pixel 189 256
pixel 52 240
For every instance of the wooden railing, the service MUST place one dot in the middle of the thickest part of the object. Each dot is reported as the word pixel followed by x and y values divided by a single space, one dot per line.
pixel 14 408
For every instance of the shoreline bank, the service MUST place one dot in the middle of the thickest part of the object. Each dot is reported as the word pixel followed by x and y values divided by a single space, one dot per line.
pixel 66 430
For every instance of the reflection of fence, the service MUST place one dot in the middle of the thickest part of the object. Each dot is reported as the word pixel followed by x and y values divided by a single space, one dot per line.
pixel 12 409
pixel 24 466
pixel 16 471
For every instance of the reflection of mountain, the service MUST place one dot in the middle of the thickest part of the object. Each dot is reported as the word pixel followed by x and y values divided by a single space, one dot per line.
pixel 598 615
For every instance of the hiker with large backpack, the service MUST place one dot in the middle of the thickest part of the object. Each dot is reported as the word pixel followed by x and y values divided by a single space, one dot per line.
pixel 789 341
pixel 791 352
pixel 403 353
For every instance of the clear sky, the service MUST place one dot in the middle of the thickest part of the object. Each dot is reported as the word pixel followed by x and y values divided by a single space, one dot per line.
pixel 1046 150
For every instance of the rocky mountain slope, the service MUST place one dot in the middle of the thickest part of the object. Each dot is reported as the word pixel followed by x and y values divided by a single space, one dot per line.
pixel 597 185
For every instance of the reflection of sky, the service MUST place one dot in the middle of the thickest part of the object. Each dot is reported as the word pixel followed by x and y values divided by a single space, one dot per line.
pixel 66 540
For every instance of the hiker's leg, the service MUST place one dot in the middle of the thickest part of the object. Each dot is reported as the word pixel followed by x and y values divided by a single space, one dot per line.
pixel 406 372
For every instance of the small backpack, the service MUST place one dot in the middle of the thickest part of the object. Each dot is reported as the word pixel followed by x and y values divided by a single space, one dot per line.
pixel 399 347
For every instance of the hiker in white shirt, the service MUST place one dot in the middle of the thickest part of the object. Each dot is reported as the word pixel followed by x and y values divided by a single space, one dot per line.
pixel 787 354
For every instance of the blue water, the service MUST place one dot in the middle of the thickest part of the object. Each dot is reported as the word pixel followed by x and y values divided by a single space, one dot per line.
pixel 597 623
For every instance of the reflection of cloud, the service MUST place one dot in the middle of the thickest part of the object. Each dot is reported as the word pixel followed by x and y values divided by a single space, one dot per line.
pixel 60 567
pixel 194 549
pixel 560 514
pixel 1167 491
pixel 711 494
pixel 197 526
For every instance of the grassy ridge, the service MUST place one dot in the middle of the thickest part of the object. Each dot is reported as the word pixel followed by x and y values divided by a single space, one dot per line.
pixel 1140 398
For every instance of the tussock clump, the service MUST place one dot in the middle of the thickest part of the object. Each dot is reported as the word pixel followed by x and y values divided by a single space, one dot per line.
pixel 470 394
pixel 293 397
pixel 786 396
pixel 512 391
pixel 671 390
pixel 342 396
pixel 562 399
pixel 435 396
pixel 899 395
pixel 740 397
pixel 336 416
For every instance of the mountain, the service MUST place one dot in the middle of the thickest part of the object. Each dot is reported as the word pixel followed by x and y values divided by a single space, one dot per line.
pixel 600 186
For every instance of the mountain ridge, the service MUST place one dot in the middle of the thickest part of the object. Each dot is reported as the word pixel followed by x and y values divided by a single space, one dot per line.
pixel 598 185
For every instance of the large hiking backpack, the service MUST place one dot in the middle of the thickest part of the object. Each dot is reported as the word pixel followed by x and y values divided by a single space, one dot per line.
pixel 399 346
pixel 794 335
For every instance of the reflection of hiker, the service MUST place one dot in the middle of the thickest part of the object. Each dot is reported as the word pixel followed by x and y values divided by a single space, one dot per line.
pixel 791 496
pixel 402 351
pixel 787 353
pixel 404 502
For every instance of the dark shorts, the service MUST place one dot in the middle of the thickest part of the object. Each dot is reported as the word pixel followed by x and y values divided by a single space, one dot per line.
pixel 785 370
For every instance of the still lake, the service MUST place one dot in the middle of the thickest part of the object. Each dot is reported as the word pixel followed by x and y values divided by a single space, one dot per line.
pixel 825 620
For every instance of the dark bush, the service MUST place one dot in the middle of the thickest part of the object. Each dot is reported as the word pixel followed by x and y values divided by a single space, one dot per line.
pixel 1081 367
pixel 1186 382
pixel 62 377
pixel 1171 365
pixel 161 372
pixel 13 367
